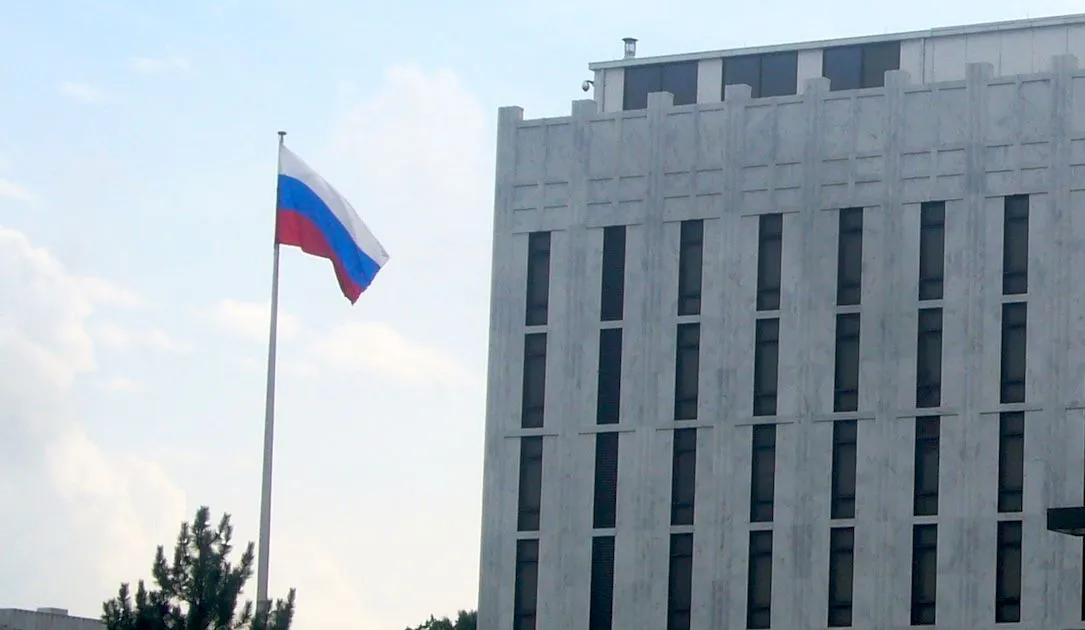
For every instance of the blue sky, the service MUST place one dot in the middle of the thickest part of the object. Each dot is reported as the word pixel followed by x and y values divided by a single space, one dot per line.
pixel 137 157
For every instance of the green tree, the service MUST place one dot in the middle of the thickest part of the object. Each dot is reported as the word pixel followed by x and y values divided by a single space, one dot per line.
pixel 199 590
pixel 464 621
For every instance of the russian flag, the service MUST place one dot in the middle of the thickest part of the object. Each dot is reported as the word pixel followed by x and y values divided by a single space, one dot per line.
pixel 313 216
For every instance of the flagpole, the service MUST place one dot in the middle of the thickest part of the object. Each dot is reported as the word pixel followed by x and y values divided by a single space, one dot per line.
pixel 262 602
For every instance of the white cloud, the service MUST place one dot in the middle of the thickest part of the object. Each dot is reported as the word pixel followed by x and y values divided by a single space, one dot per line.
pixel 249 320
pixel 373 347
pixel 380 350
pixel 122 338
pixel 83 92
pixel 155 65
pixel 101 512
pixel 99 291
pixel 283 365
pixel 121 384
pixel 11 190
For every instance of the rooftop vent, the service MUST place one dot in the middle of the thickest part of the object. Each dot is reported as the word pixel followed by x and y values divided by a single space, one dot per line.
pixel 630 47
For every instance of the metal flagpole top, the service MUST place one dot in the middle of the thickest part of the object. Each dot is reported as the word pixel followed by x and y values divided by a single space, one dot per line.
pixel 282 136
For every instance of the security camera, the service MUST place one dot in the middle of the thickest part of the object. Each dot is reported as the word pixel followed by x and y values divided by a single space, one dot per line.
pixel 586 85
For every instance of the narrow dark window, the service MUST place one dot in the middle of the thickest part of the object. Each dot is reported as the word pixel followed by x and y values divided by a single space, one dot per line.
pixel 690 263
pixel 759 581
pixel 683 476
pixel 927 434
pixel 932 250
pixel 680 587
pixel 849 260
pixel 606 480
pixel 687 371
pixel 601 611
pixel 769 256
pixel 841 574
pixel 846 385
pixel 763 473
pixel 845 443
pixel 538 278
pixel 1008 573
pixel 1014 344
pixel 766 359
pixel 526 591
pixel 1015 245
pixel 924 574
pixel 612 291
pixel 609 391
pixel 530 499
pixel 534 386
pixel 928 365
pixel 1011 461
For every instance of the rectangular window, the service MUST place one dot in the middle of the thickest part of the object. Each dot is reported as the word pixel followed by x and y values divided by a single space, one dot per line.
pixel 759 581
pixel 846 384
pixel 530 497
pixel 932 250
pixel 769 255
pixel 878 59
pixel 928 364
pixel 766 359
pixel 534 386
pixel 845 444
pixel 690 263
pixel 612 291
pixel 683 476
pixel 1014 343
pixel 924 574
pixel 538 278
pixel 763 473
pixel 859 66
pixel 601 610
pixel 526 591
pixel 927 437
pixel 1008 573
pixel 609 387
pixel 680 587
pixel 606 480
pixel 849 258
pixel 841 574
pixel 1015 245
pixel 1011 461
pixel 678 78
pixel 687 367
pixel 771 74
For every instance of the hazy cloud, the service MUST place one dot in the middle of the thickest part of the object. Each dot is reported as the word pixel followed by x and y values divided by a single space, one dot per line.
pixel 380 350
pixel 101 512
pixel 154 65
pixel 121 384
pixel 11 190
pixel 126 338
pixel 249 320
pixel 83 92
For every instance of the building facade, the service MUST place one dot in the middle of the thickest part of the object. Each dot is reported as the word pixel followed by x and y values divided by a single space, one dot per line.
pixel 793 339
pixel 45 619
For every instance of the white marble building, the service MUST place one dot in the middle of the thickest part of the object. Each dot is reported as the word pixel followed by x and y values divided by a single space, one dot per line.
pixel 802 357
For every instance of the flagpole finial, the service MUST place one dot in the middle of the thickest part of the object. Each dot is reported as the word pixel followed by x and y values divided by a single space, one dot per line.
pixel 282 137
